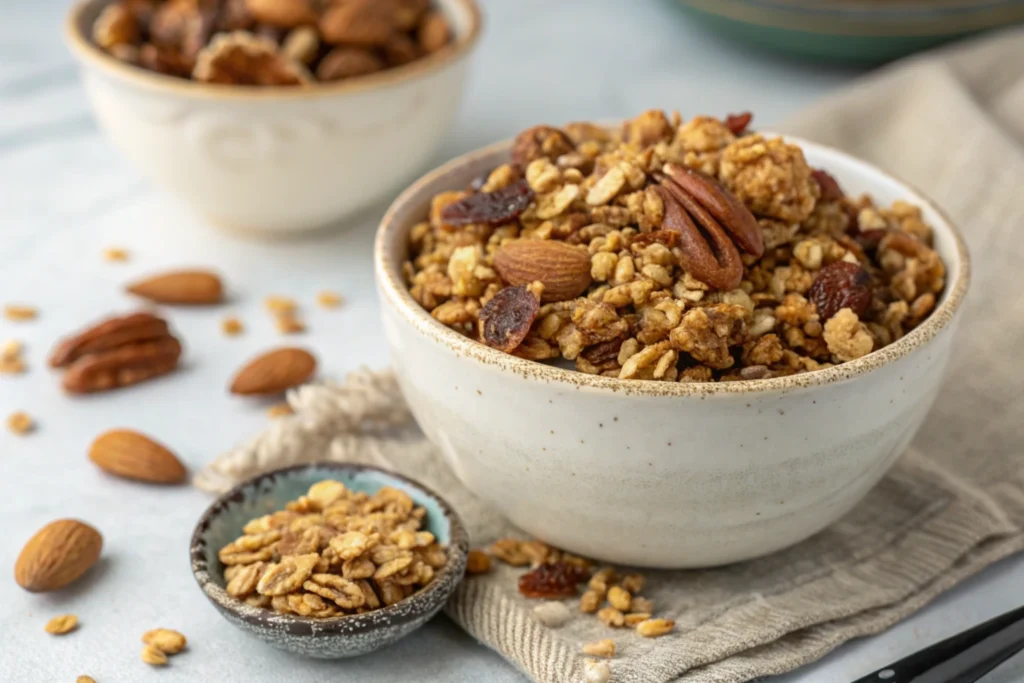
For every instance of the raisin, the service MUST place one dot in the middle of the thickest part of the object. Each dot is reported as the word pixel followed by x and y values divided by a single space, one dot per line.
pixel 492 208
pixel 870 239
pixel 830 190
pixel 506 318
pixel 841 285
pixel 737 123
pixel 554 580
pixel 540 141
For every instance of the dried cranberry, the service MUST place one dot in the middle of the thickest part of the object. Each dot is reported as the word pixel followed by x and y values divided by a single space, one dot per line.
pixel 506 318
pixel 841 285
pixel 738 123
pixel 830 190
pixel 554 580
pixel 493 208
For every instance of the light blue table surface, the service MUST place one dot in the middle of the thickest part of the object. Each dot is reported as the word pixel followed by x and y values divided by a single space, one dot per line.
pixel 65 194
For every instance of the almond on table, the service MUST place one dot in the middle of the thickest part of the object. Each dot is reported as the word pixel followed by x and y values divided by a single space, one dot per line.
pixel 274 372
pixel 190 287
pixel 131 455
pixel 57 555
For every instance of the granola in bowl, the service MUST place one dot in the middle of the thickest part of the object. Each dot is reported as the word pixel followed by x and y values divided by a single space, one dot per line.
pixel 690 251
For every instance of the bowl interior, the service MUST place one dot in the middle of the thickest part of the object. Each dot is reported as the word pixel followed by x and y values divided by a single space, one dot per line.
pixel 270 493
pixel 854 176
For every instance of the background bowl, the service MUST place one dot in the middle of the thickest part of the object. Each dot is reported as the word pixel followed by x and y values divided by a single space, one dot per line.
pixel 663 474
pixel 278 159
pixel 851 30
pixel 336 637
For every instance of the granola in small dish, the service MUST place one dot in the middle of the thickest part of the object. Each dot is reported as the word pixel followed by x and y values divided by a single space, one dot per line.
pixel 270 42
pixel 333 551
pixel 671 250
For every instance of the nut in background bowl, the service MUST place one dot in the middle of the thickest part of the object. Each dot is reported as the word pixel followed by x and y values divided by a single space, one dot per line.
pixel 333 637
pixel 664 474
pixel 278 159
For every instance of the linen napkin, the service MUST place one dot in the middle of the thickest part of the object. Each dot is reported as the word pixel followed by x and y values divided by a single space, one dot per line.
pixel 952 123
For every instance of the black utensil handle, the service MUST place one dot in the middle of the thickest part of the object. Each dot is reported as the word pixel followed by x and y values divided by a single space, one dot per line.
pixel 963 658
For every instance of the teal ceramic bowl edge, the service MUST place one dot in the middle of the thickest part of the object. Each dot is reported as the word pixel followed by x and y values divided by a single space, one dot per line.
pixel 337 637
pixel 863 47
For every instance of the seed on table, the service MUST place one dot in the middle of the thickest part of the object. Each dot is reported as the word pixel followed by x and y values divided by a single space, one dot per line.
pixel 85 679
pixel 115 254
pixel 602 648
pixel 328 299
pixel 652 628
pixel 232 326
pixel 280 304
pixel 65 623
pixel 153 656
pixel 20 313
pixel 20 423
pixel 166 640
pixel 11 349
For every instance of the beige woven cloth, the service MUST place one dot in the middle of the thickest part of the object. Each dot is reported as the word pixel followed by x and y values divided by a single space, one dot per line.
pixel 952 123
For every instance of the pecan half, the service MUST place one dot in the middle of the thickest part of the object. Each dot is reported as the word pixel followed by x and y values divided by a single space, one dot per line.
pixel 707 252
pixel 122 366
pixel 108 335
pixel 727 209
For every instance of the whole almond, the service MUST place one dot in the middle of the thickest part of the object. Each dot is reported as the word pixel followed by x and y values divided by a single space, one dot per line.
pixel 563 268
pixel 195 287
pixel 274 372
pixel 58 554
pixel 131 455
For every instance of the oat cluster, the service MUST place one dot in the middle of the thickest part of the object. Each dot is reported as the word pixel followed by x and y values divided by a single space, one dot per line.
pixel 333 552
pixel 611 596
pixel 691 251
pixel 270 42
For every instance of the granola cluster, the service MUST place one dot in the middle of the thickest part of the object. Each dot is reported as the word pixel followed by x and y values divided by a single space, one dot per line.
pixel 692 251
pixel 611 596
pixel 333 552
pixel 270 42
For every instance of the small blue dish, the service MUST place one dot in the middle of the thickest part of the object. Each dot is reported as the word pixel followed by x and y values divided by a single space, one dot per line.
pixel 334 637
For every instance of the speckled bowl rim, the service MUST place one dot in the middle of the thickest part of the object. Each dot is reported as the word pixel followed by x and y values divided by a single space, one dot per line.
pixel 435 595
pixel 395 294
pixel 89 53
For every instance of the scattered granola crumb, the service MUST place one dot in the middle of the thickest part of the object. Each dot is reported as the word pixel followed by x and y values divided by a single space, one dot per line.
pixel 115 254
pixel 634 618
pixel 652 628
pixel 602 648
pixel 610 616
pixel 328 299
pixel 634 583
pixel 619 598
pixel 20 423
pixel 280 305
pixel 478 562
pixel 642 604
pixel 596 672
pixel 552 614
pixel 85 679
pixel 589 602
pixel 280 410
pixel 289 324
pixel 11 366
pixel 153 656
pixel 166 640
pixel 11 349
pixel 232 326
pixel 65 623
pixel 20 313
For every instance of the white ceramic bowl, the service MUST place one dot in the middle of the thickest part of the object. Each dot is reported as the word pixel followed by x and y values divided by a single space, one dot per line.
pixel 664 474
pixel 278 159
